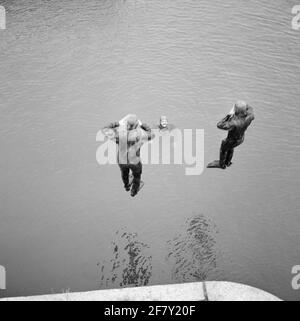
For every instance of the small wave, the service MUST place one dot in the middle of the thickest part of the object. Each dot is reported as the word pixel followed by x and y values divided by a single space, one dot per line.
pixel 193 254
pixel 131 264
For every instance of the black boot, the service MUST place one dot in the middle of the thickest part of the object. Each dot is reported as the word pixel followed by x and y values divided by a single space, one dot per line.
pixel 222 165
pixel 133 192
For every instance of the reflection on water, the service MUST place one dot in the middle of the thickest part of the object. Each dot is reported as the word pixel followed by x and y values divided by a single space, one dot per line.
pixel 130 265
pixel 192 255
pixel 193 252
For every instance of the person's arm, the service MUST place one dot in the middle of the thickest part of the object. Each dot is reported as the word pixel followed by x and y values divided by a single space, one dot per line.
pixel 110 130
pixel 147 129
pixel 227 123
pixel 250 115
pixel 112 125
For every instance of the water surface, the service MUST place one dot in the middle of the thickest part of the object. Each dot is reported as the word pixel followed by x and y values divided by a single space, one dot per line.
pixel 69 67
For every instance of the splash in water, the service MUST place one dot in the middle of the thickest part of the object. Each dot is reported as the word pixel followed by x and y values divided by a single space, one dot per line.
pixel 193 254
pixel 131 264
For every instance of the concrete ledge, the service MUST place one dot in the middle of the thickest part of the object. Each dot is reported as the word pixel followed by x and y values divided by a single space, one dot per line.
pixel 198 291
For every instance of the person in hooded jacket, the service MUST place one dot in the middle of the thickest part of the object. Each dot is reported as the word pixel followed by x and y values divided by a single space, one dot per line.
pixel 236 123
pixel 130 135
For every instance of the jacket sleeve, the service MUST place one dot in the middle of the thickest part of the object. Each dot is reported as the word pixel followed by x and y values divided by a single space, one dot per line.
pixel 250 115
pixel 111 132
pixel 227 123
pixel 148 131
pixel 112 125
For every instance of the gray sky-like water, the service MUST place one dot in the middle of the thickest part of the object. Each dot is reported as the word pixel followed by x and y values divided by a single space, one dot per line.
pixel 69 67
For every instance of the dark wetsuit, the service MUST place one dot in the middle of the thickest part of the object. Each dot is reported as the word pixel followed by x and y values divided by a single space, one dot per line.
pixel 236 125
pixel 129 157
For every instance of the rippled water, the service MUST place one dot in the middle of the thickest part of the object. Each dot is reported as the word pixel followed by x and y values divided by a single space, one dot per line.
pixel 131 263
pixel 69 67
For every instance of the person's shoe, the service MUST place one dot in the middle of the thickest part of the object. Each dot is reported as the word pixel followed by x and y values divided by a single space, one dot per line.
pixel 229 164
pixel 223 166
pixel 133 193
pixel 127 188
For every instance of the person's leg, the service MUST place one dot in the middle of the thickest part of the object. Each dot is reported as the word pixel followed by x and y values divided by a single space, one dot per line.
pixel 125 176
pixel 229 156
pixel 137 173
pixel 230 150
pixel 223 153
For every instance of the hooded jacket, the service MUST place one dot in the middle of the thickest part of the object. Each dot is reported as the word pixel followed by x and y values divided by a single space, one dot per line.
pixel 130 142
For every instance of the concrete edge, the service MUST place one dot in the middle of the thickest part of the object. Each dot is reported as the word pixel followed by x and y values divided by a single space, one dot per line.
pixel 197 291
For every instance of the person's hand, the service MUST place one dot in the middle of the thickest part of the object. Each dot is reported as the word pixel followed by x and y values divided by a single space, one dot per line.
pixel 145 126
pixel 232 111
pixel 109 133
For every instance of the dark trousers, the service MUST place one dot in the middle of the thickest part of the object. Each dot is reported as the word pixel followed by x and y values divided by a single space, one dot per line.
pixel 227 149
pixel 136 172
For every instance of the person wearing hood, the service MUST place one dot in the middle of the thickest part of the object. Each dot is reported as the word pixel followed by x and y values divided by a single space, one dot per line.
pixel 236 123
pixel 130 135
